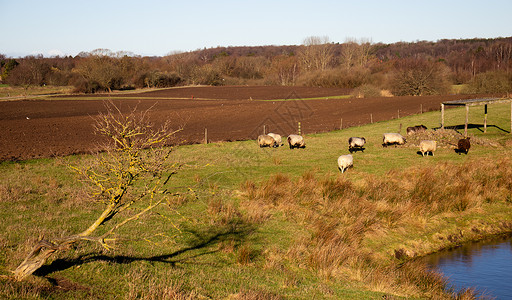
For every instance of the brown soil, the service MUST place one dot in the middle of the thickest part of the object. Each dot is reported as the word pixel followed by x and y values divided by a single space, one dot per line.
pixel 46 128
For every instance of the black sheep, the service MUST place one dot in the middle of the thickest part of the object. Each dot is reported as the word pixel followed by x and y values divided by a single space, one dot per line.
pixel 463 146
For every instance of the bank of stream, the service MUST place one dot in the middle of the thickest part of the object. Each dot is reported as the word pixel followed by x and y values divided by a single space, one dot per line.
pixel 485 266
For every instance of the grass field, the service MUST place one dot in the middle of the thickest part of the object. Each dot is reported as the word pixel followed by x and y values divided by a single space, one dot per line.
pixel 7 91
pixel 272 223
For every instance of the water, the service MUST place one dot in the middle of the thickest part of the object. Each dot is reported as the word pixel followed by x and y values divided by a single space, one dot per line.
pixel 484 266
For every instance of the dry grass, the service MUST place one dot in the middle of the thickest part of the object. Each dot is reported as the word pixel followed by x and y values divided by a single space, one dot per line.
pixel 222 212
pixel 343 219
pixel 155 288
pixel 254 295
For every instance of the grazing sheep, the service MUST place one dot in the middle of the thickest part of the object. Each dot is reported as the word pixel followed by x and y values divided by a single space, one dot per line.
pixel 415 129
pixel 266 141
pixel 345 162
pixel 392 139
pixel 276 137
pixel 296 141
pixel 428 146
pixel 356 144
pixel 463 146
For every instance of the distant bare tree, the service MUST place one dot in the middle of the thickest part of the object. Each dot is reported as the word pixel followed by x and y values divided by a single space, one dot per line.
pixel 317 53
pixel 183 64
pixel 355 53
pixel 32 70
pixel 100 69
pixel 419 77
pixel 501 54
pixel 285 68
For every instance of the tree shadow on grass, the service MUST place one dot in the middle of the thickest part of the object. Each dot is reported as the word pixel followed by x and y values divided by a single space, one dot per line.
pixel 201 240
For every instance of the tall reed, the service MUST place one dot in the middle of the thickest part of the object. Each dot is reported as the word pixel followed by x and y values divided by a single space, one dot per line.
pixel 350 224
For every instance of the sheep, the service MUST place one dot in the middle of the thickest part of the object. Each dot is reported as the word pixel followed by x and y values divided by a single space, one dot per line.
pixel 345 162
pixel 276 137
pixel 296 141
pixel 428 146
pixel 356 143
pixel 266 141
pixel 463 146
pixel 415 129
pixel 392 139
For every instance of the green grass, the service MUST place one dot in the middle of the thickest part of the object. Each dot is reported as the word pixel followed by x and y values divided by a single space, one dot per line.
pixel 7 91
pixel 231 163
pixel 227 245
pixel 458 88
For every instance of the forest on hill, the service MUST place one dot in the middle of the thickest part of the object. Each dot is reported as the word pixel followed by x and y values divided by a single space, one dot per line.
pixel 403 68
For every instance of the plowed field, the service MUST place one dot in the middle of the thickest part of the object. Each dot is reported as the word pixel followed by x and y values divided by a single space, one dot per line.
pixel 64 125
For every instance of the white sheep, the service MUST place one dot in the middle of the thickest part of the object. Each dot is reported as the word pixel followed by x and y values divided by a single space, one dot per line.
pixel 356 143
pixel 392 139
pixel 428 146
pixel 345 162
pixel 276 137
pixel 296 141
pixel 266 141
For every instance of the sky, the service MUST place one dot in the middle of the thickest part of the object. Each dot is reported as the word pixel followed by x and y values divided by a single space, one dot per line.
pixel 158 27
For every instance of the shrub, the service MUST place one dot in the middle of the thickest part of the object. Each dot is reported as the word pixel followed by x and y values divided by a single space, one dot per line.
pixel 159 80
pixel 366 91
pixel 336 78
pixel 490 82
pixel 207 75
pixel 419 77
pixel 6 66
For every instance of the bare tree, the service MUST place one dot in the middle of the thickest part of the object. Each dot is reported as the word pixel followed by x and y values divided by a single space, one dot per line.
pixel 105 69
pixel 420 77
pixel 501 55
pixel 129 180
pixel 316 53
pixel 355 53
pixel 32 70
pixel 285 69
pixel 348 53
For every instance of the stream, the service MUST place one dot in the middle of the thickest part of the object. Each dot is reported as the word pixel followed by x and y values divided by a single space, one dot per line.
pixel 485 266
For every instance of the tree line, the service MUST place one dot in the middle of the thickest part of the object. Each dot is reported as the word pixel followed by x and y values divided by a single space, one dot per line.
pixel 415 68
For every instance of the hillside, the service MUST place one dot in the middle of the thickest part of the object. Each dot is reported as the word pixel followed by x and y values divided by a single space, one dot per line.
pixel 425 68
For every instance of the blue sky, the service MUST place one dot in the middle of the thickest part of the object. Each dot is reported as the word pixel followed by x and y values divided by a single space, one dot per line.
pixel 157 27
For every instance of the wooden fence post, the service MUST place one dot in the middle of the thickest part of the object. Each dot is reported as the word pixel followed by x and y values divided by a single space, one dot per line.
pixel 485 118
pixel 442 116
pixel 467 121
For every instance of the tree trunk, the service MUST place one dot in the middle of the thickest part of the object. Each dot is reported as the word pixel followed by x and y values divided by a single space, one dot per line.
pixel 44 249
pixel 37 257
